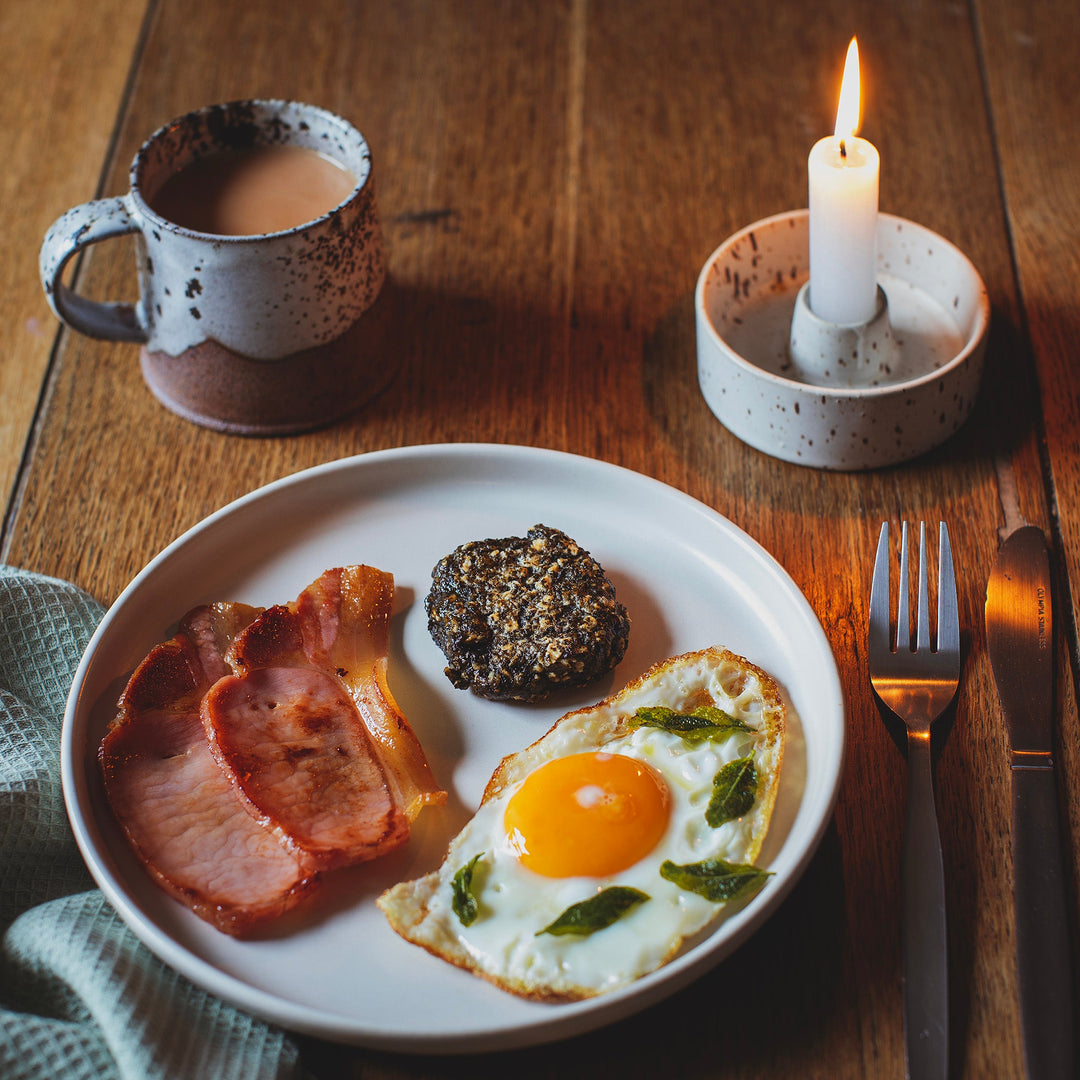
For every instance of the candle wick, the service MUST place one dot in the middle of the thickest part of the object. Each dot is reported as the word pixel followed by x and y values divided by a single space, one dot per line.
pixel 843 148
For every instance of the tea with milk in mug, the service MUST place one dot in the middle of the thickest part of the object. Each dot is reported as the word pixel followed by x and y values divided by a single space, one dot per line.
pixel 247 192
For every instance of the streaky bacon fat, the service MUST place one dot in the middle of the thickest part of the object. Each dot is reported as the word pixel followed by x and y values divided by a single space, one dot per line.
pixel 347 613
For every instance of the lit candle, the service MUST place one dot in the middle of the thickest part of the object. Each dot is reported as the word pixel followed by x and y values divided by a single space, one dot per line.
pixel 843 213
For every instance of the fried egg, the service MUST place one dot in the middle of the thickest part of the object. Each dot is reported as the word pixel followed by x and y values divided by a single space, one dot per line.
pixel 627 828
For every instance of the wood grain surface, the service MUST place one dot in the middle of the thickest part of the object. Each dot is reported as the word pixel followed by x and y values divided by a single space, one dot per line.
pixel 65 72
pixel 551 178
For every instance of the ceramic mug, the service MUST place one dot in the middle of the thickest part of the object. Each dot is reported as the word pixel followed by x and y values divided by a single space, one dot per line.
pixel 261 334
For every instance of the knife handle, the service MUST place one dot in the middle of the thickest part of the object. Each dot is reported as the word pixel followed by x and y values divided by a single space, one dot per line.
pixel 926 961
pixel 1042 931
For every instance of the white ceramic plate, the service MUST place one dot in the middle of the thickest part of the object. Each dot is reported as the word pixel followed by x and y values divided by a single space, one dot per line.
pixel 689 579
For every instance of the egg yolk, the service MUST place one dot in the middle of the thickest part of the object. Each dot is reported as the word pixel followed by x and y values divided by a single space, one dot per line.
pixel 588 815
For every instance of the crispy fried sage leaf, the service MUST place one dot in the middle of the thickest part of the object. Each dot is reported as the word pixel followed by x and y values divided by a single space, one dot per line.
pixel 734 792
pixel 465 904
pixel 597 912
pixel 715 879
pixel 703 722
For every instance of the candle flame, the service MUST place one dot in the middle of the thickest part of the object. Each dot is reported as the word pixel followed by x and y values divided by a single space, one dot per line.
pixel 847 112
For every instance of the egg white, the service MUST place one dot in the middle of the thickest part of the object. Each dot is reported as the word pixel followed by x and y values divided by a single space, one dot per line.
pixel 514 902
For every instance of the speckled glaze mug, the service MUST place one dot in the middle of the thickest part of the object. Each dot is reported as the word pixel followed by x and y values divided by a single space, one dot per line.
pixel 266 334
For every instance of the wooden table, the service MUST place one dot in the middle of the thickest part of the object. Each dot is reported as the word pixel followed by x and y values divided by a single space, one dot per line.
pixel 551 177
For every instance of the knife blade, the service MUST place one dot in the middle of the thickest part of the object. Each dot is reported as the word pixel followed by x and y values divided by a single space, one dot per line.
pixel 1019 636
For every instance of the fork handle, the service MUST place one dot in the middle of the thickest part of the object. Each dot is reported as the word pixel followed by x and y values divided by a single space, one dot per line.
pixel 926 981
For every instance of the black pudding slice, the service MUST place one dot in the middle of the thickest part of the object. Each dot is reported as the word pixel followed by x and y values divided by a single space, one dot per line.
pixel 520 617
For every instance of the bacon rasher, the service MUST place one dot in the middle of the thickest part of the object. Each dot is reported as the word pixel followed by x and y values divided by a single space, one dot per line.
pixel 309 728
pixel 256 749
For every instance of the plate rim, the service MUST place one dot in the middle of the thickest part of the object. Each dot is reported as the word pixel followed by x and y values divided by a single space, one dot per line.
pixel 566 1020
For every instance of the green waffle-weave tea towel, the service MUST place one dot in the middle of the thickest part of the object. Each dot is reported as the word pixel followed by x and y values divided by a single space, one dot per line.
pixel 80 996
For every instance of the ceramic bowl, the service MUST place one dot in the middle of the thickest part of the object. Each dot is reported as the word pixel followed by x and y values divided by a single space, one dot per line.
pixel 939 312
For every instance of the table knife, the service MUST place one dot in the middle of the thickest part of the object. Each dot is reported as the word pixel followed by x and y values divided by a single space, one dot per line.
pixel 1019 637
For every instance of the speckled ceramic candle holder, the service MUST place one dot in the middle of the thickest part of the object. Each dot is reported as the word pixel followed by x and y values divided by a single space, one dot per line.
pixel 832 397
pixel 267 334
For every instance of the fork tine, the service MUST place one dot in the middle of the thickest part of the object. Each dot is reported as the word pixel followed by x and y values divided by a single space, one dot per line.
pixel 922 616
pixel 879 596
pixel 948 612
pixel 903 619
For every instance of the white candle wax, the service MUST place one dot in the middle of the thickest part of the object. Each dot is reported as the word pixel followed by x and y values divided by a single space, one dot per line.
pixel 843 229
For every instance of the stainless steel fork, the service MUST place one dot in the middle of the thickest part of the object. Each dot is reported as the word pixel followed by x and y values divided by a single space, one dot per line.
pixel 917 685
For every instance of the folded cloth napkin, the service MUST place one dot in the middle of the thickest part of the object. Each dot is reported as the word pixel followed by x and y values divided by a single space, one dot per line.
pixel 80 996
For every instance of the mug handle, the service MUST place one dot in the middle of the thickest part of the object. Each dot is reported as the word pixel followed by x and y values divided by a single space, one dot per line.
pixel 89 223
